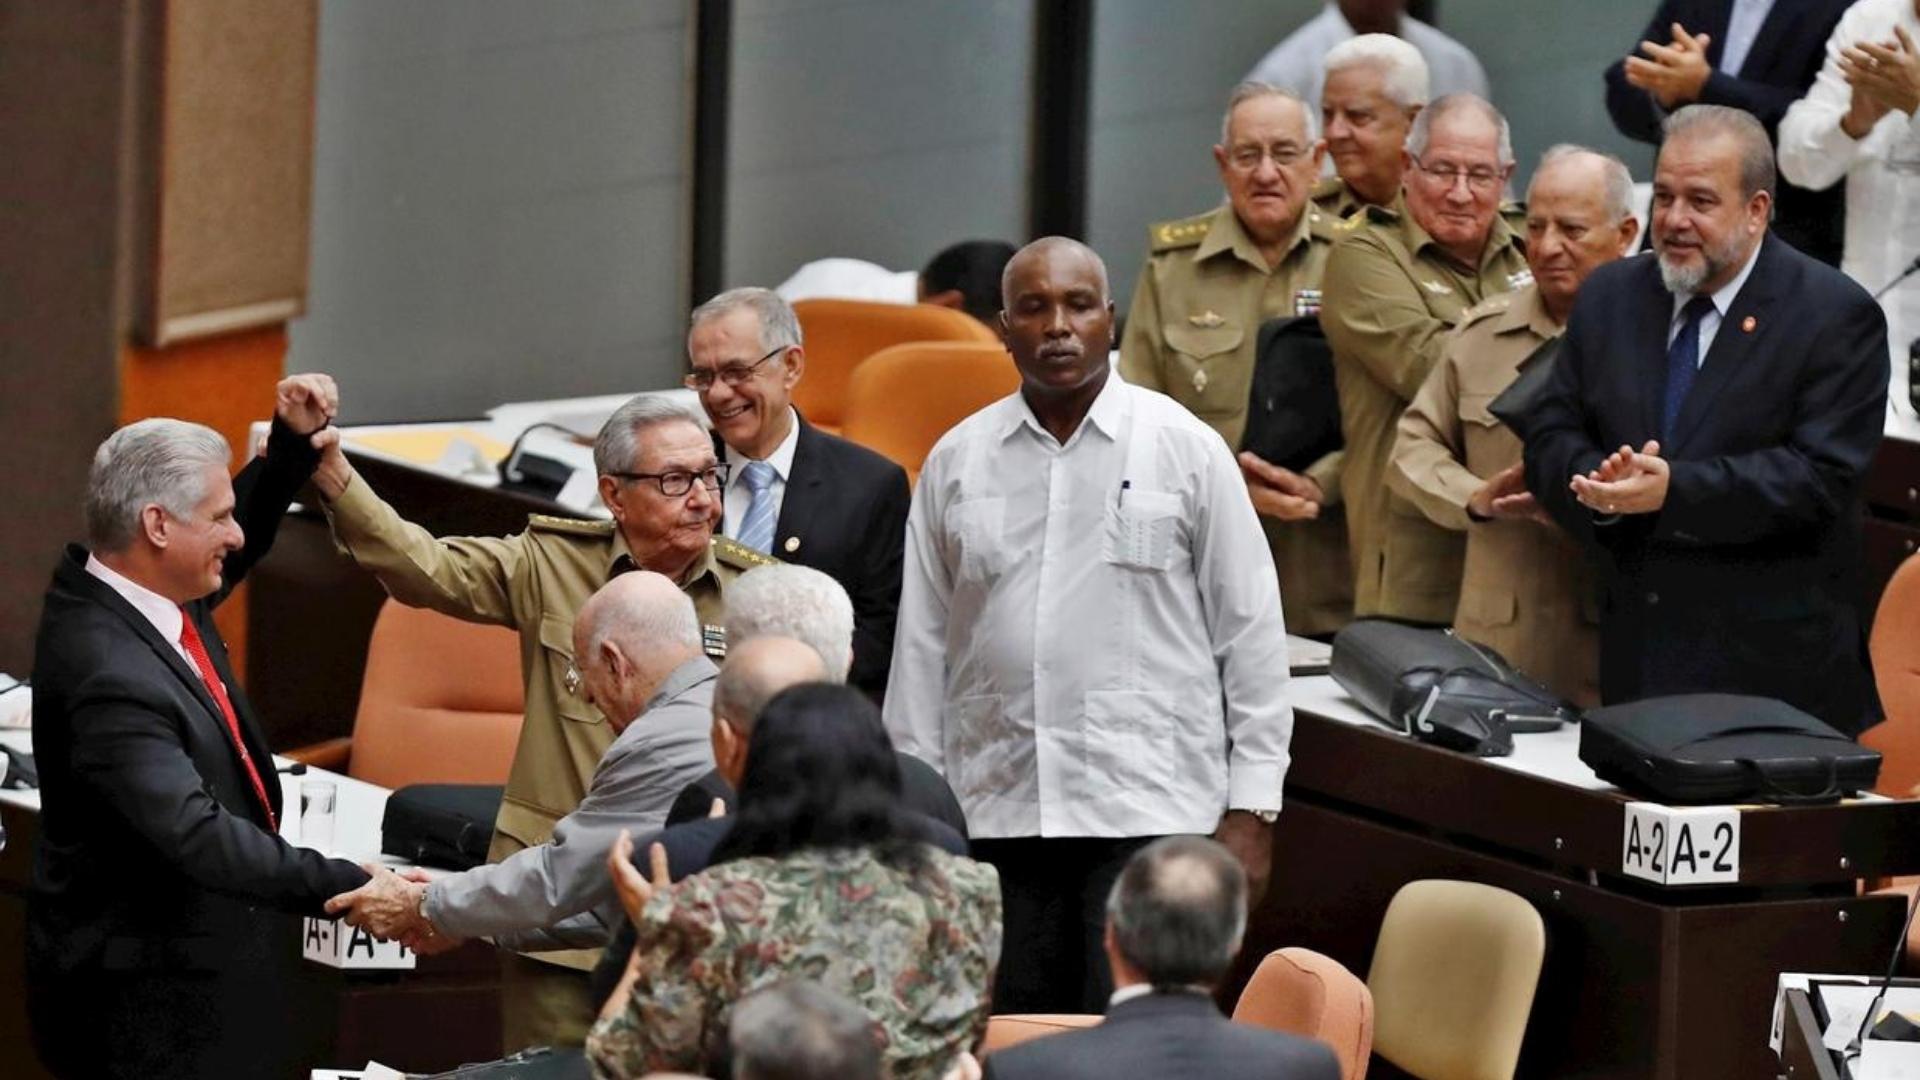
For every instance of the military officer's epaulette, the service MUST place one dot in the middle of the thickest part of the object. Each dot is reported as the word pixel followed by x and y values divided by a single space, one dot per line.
pixel 1329 188
pixel 1492 305
pixel 1322 225
pixel 1515 212
pixel 1186 232
pixel 570 526
pixel 740 556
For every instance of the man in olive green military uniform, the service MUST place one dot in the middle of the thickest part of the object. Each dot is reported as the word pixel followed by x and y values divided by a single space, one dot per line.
pixel 1396 282
pixel 1527 590
pixel 1209 283
pixel 661 481
pixel 1375 85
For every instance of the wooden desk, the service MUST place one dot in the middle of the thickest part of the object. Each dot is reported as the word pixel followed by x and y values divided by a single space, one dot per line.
pixel 1640 981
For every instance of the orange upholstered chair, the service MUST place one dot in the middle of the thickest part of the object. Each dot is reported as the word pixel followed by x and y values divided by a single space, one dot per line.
pixel 1012 1029
pixel 904 398
pixel 839 334
pixel 1895 646
pixel 1301 992
pixel 441 702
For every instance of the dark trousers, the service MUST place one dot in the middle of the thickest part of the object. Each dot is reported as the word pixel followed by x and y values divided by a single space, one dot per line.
pixel 1053 893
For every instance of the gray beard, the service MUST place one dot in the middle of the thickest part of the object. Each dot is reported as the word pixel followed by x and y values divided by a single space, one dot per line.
pixel 1685 279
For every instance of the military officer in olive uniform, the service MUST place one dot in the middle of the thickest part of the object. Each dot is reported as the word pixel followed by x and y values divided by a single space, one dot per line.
pixel 1209 283
pixel 1374 87
pixel 661 481
pixel 1396 283
pixel 1527 590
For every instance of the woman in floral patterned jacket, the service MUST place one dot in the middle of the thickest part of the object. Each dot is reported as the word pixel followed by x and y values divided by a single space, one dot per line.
pixel 824 876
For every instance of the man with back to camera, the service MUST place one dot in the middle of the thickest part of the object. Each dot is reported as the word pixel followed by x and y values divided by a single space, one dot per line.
pixel 1707 428
pixel 1396 284
pixel 637 641
pixel 795 492
pixel 1375 85
pixel 155 946
pixel 1526 589
pixel 1090 645
pixel 661 481
pixel 966 277
pixel 1174 922
pixel 1192 332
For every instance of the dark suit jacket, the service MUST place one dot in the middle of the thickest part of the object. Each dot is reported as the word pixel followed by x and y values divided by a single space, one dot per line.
pixel 924 791
pixel 1745 581
pixel 1785 57
pixel 1166 1035
pixel 690 849
pixel 156 869
pixel 846 507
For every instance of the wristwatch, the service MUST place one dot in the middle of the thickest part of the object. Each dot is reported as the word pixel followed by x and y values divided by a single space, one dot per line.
pixel 1267 817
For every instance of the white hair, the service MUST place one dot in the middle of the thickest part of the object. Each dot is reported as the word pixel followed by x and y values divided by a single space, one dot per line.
pixel 641 625
pixel 1405 79
pixel 799 602
pixel 159 461
pixel 1619 182
pixel 1422 131
pixel 1253 88
pixel 618 444
pixel 779 326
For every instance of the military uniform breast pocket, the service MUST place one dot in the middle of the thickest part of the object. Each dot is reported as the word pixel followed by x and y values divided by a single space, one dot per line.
pixel 1207 372
pixel 556 644
pixel 1488 442
pixel 1143 530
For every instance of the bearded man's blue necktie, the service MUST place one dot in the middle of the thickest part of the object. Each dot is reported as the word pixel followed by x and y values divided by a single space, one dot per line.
pixel 1683 363
pixel 756 529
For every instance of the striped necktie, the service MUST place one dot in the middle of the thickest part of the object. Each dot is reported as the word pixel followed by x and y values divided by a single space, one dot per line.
pixel 756 529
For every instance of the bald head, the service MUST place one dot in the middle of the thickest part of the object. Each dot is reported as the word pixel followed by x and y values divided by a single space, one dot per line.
pixel 759 668
pixel 1063 251
pixel 627 638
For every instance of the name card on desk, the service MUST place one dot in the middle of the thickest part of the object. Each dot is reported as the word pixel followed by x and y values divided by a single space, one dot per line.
pixel 1681 845
pixel 335 944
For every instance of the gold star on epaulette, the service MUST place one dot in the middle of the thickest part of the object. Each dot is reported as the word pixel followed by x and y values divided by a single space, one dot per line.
pixel 1183 233
pixel 740 556
pixel 570 526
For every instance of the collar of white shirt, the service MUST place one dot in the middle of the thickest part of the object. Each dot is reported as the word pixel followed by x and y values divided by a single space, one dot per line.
pixel 1722 297
pixel 1140 990
pixel 163 613
pixel 1108 413
pixel 781 459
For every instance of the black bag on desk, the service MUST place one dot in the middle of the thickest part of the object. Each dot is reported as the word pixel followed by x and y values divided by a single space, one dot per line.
pixel 1293 413
pixel 1718 748
pixel 444 825
pixel 1441 688
pixel 534 1063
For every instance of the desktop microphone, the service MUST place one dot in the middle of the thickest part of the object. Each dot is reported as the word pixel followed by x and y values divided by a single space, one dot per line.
pixel 543 476
pixel 1893 965
pixel 1912 268
pixel 295 768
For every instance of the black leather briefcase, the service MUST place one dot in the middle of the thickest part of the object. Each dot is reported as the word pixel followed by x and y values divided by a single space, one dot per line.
pixel 1517 405
pixel 1440 687
pixel 444 825
pixel 1718 748
pixel 1293 412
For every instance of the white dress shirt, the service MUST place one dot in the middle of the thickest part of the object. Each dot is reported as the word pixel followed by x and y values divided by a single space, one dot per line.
pixel 740 496
pixel 1722 299
pixel 1090 639
pixel 850 279
pixel 1743 29
pixel 163 613
pixel 1883 178
pixel 1298 63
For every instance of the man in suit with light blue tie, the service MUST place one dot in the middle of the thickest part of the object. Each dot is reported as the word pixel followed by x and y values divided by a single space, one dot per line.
pixel 796 492
pixel 1706 431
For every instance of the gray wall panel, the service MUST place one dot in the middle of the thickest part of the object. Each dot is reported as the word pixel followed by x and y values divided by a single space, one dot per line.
pixel 498 203
pixel 876 129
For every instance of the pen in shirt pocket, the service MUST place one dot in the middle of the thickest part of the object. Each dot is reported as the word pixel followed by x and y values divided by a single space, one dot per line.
pixel 1124 485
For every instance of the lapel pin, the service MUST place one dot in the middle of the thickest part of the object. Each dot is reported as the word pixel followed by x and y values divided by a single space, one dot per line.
pixel 1747 324
pixel 792 545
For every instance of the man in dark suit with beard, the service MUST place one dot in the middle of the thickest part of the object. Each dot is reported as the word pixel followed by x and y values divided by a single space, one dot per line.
pixel 153 946
pixel 1709 422
pixel 796 492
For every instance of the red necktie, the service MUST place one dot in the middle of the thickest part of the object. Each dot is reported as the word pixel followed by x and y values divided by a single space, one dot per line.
pixel 190 640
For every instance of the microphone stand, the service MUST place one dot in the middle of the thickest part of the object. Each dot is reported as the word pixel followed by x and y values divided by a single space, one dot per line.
pixel 1911 269
pixel 530 472
pixel 1854 1047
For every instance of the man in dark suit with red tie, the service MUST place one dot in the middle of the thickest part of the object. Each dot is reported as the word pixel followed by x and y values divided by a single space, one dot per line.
pixel 156 939
pixel 1706 429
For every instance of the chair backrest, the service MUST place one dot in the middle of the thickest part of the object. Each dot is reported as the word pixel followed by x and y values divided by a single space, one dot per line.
pixel 441 701
pixel 904 398
pixel 839 334
pixel 1453 979
pixel 1895 646
pixel 1302 992
pixel 1012 1029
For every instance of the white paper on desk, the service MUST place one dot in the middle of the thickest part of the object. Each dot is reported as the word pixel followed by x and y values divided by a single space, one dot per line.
pixel 1884 1060
pixel 16 703
pixel 1843 1021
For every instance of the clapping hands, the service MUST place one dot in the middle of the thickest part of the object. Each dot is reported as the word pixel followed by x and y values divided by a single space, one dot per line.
pixel 1626 482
